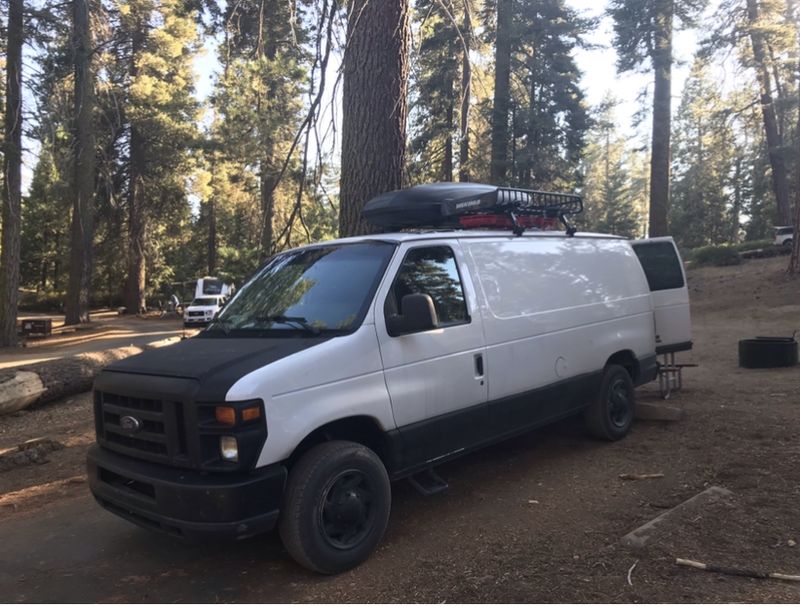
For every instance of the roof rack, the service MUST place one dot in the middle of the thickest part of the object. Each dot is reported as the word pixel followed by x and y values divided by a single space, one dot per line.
pixel 442 204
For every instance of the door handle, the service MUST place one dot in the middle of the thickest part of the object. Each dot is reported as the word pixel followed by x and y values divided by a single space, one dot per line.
pixel 479 365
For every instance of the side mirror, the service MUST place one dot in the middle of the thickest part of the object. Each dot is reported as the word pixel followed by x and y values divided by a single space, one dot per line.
pixel 419 314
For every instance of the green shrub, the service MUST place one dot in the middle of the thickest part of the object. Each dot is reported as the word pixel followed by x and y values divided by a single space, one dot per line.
pixel 752 245
pixel 713 255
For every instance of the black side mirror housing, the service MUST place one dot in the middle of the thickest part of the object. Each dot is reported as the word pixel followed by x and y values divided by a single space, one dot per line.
pixel 419 314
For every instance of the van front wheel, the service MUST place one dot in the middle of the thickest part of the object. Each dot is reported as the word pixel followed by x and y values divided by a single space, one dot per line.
pixel 336 506
pixel 610 415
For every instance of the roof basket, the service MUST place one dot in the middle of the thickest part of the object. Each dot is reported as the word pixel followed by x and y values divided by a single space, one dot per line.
pixel 443 204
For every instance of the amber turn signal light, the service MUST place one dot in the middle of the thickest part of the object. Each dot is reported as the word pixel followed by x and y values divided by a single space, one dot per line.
pixel 251 413
pixel 225 415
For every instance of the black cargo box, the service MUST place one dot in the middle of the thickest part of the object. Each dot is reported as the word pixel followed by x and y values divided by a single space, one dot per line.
pixel 441 204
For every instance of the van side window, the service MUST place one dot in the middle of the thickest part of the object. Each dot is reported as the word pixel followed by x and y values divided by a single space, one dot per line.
pixel 430 271
pixel 661 265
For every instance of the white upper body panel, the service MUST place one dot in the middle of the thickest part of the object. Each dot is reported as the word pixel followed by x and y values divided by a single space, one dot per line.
pixel 544 307
pixel 667 280
pixel 554 309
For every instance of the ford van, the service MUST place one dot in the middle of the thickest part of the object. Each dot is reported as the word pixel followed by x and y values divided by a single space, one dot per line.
pixel 344 366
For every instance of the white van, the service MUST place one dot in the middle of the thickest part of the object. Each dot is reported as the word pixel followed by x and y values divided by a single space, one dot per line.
pixel 343 366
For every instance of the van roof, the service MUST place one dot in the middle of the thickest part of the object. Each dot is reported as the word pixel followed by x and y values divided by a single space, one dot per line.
pixel 398 237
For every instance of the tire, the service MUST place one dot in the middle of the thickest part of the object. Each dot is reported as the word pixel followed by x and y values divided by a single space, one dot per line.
pixel 610 415
pixel 336 507
pixel 788 243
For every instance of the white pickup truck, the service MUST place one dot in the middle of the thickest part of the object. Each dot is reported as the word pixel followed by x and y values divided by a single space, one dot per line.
pixel 345 365
pixel 202 310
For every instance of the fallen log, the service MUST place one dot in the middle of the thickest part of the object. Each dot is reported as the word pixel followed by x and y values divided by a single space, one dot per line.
pixel 40 383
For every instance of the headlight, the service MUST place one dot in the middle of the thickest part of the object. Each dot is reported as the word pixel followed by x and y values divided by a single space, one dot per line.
pixel 229 448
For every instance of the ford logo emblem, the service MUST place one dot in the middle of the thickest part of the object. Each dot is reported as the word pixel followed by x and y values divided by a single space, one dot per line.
pixel 130 424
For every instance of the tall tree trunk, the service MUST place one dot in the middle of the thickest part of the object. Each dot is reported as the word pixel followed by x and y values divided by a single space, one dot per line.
pixel 502 94
pixel 267 46
pixel 374 106
pixel 137 211
pixel 794 261
pixel 57 262
pixel 529 167
pixel 466 91
pixel 736 209
pixel 267 196
pixel 12 178
pixel 212 237
pixel 211 244
pixel 780 177
pixel 80 270
pixel 662 120
pixel 447 163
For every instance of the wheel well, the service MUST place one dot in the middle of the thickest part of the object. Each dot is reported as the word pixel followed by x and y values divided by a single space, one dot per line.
pixel 358 429
pixel 625 358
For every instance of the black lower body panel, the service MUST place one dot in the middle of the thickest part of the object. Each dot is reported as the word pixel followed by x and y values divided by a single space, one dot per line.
pixel 186 502
pixel 411 448
pixel 648 370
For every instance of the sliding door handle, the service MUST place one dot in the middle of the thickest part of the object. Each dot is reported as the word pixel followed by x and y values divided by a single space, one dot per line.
pixel 479 365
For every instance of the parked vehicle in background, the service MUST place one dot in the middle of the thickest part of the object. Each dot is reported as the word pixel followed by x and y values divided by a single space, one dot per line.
pixel 784 236
pixel 202 310
pixel 209 285
pixel 345 365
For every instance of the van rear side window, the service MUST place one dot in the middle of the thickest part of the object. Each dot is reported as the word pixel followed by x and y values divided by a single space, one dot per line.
pixel 661 265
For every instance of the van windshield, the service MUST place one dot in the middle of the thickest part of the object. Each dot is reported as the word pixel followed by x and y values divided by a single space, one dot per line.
pixel 205 301
pixel 308 291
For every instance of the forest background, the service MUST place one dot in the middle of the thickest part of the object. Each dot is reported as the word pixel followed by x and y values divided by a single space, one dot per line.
pixel 150 142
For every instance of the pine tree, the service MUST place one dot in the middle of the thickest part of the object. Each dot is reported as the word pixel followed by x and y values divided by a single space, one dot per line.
pixel 161 114
pixel 774 137
pixel 45 233
pixel 501 106
pixel 12 178
pixel 440 89
pixel 703 165
pixel 538 125
pixel 80 277
pixel 607 183
pixel 550 119
pixel 259 94
pixel 374 106
pixel 643 33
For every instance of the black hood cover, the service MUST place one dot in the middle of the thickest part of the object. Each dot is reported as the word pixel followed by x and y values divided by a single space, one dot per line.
pixel 216 363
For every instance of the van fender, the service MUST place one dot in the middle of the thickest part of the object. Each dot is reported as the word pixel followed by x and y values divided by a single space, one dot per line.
pixel 341 377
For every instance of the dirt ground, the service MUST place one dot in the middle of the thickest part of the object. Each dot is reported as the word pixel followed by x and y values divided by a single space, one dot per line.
pixel 107 330
pixel 538 518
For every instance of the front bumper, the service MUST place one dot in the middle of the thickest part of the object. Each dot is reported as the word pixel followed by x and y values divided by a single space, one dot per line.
pixel 196 320
pixel 187 503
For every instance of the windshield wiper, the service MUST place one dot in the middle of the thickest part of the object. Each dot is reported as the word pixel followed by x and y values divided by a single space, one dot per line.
pixel 298 321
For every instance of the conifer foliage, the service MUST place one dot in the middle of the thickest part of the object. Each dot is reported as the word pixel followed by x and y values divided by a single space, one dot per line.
pixel 170 139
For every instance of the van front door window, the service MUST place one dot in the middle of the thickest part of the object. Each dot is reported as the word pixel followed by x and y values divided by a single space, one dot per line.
pixel 431 271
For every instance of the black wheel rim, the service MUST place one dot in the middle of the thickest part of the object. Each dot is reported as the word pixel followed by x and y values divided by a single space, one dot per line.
pixel 347 513
pixel 619 403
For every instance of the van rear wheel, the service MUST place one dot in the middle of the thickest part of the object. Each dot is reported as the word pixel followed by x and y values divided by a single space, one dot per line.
pixel 610 415
pixel 336 507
